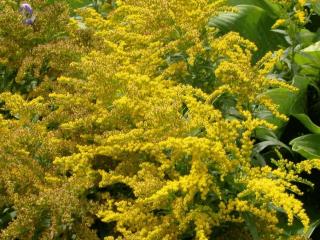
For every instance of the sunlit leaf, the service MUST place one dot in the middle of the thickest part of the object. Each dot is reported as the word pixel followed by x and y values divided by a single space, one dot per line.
pixel 253 21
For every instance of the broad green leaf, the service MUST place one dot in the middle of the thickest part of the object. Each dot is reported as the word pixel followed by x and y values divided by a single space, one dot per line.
pixel 272 142
pixel 285 99
pixel 302 82
pixel 308 59
pixel 267 115
pixel 306 38
pixel 313 50
pixel 307 122
pixel 253 23
pixel 270 8
pixel 308 145
pixel 289 102
pixel 299 103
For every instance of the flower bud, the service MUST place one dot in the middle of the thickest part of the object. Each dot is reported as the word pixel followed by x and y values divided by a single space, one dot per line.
pixel 27 12
pixel 26 9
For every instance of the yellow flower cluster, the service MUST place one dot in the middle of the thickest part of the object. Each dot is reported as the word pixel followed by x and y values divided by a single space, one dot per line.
pixel 165 143
pixel 297 7
pixel 30 54
pixel 155 157
pixel 27 186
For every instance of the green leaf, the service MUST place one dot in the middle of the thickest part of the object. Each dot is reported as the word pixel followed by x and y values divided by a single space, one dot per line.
pixel 299 103
pixel 316 7
pixel 297 228
pixel 305 37
pixel 252 22
pixel 308 145
pixel 272 142
pixel 282 97
pixel 250 222
pixel 302 82
pixel 308 59
pixel 312 49
pixel 264 134
pixel 311 228
pixel 270 8
pixel 289 102
pixel 7 215
pixel 285 99
pixel 307 122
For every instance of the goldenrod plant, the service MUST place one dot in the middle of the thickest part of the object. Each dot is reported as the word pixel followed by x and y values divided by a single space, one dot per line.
pixel 298 137
pixel 122 140
pixel 37 43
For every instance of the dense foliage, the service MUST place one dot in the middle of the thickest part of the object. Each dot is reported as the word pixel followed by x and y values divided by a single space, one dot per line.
pixel 139 119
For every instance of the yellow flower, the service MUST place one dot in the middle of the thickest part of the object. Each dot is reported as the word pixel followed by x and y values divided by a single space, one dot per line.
pixel 301 16
pixel 279 23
